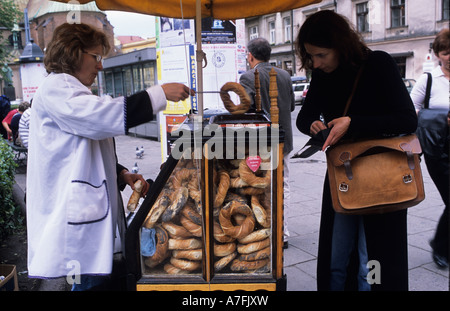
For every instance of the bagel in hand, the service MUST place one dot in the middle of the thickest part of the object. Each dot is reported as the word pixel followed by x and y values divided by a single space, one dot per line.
pixel 244 105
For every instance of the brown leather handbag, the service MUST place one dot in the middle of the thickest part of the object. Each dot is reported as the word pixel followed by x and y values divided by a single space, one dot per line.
pixel 375 175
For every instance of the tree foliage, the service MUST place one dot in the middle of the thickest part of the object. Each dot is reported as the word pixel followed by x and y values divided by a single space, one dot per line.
pixel 9 15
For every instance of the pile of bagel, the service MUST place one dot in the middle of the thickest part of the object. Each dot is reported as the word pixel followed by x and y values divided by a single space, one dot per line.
pixel 176 217
pixel 241 220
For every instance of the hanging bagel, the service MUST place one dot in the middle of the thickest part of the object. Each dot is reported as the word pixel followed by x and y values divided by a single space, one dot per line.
pixel 228 228
pixel 134 198
pixel 228 103
pixel 261 214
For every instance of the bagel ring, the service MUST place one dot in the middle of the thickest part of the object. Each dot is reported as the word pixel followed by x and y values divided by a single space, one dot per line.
pixel 190 226
pixel 222 250
pixel 258 255
pixel 184 244
pixel 228 228
pixel 253 247
pixel 250 178
pixel 162 248
pixel 224 261
pixel 219 235
pixel 176 231
pixel 228 103
pixel 222 189
pixel 183 264
pixel 243 265
pixel 191 254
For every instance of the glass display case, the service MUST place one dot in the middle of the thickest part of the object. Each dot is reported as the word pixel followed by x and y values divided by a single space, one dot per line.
pixel 213 218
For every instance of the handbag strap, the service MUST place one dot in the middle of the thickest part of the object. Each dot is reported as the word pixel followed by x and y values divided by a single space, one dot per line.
pixel 426 102
pixel 358 75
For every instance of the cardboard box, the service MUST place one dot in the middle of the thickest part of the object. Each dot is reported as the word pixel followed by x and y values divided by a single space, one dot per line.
pixel 9 283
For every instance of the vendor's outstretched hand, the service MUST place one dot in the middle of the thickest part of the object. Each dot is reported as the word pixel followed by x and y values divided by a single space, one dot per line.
pixel 177 91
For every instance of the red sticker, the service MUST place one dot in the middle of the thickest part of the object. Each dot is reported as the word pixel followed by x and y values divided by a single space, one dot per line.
pixel 253 163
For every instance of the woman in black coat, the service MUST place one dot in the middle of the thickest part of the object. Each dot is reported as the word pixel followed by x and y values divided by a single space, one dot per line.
pixel 329 46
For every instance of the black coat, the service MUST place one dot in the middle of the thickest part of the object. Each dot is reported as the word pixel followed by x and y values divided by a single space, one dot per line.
pixel 381 105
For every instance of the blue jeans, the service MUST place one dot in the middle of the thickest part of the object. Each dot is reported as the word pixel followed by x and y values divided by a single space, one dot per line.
pixel 346 229
pixel 88 282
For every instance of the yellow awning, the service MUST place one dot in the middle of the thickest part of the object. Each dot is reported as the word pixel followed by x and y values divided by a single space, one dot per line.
pixel 219 9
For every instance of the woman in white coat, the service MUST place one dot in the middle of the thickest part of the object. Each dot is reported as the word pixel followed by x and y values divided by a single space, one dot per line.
pixel 74 206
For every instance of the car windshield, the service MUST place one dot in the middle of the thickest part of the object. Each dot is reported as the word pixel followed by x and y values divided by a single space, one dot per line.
pixel 299 88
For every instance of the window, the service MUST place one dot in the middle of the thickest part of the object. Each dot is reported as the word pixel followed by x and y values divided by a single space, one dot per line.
pixel 397 13
pixel 272 32
pixel 362 13
pixel 253 31
pixel 445 9
pixel 287 29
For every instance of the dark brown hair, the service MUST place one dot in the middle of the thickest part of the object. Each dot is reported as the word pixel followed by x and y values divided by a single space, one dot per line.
pixel 327 29
pixel 442 41
pixel 64 52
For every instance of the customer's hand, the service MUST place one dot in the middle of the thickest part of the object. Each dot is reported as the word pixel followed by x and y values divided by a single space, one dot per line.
pixel 177 91
pixel 316 127
pixel 338 127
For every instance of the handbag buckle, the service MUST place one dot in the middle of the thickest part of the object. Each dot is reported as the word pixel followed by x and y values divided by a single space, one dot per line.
pixel 407 179
pixel 343 187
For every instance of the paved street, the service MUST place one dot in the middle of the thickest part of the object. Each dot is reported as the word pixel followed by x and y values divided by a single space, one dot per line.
pixel 307 175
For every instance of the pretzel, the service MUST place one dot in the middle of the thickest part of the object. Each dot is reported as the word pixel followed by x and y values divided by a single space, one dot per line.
pixel 224 261
pixel 222 189
pixel 260 212
pixel 179 198
pixel 228 228
pixel 221 250
pixel 188 265
pixel 191 214
pixel 258 255
pixel 255 236
pixel 162 248
pixel 193 228
pixel 219 235
pixel 238 182
pixel 176 231
pixel 191 254
pixel 250 178
pixel 184 244
pixel 157 210
pixel 242 265
pixel 228 103
pixel 253 247
pixel 171 269
pixel 134 198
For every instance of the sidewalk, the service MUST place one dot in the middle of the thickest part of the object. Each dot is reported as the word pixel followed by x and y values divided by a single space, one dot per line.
pixel 307 175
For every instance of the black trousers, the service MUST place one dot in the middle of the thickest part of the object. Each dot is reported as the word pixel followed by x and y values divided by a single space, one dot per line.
pixel 439 173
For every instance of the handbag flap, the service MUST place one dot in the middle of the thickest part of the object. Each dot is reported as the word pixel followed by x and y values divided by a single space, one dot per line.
pixel 351 150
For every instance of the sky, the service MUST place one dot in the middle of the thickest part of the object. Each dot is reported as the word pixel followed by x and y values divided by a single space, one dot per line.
pixel 132 24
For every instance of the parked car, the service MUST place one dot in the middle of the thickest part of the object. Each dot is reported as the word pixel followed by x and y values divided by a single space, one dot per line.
pixel 409 83
pixel 300 90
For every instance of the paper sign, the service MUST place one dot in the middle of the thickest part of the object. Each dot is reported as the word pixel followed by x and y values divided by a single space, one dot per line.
pixel 253 163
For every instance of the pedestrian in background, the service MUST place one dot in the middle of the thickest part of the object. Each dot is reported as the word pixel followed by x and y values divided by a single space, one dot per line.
pixel 437 156
pixel 75 215
pixel 258 56
pixel 24 126
pixel 328 45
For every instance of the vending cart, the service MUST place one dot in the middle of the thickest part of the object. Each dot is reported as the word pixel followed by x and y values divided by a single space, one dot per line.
pixel 213 218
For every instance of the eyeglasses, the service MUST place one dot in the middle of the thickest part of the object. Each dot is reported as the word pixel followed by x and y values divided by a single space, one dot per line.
pixel 97 57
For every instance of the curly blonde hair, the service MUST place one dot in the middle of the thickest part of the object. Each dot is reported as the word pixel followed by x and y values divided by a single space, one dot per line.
pixel 64 52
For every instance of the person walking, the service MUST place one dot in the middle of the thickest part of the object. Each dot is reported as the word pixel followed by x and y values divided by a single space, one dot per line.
pixel 328 45
pixel 75 215
pixel 258 56
pixel 437 156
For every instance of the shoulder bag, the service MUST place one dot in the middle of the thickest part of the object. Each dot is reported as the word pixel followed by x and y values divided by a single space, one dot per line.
pixel 375 176
pixel 432 128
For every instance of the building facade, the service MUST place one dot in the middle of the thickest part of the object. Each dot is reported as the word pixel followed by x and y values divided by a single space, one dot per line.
pixel 403 28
